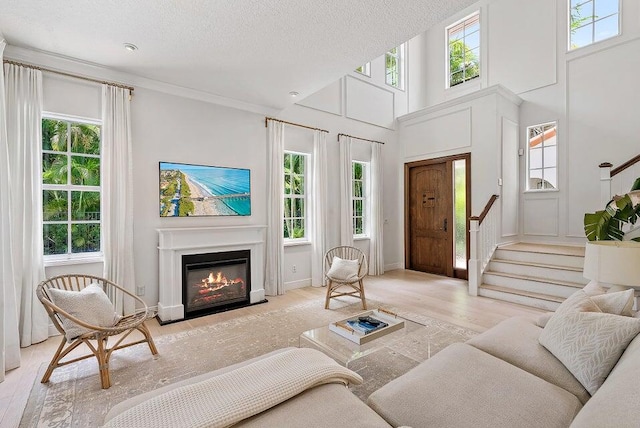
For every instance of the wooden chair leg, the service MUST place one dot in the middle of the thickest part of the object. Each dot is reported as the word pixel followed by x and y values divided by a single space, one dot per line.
pixel 103 364
pixel 364 301
pixel 329 287
pixel 147 335
pixel 54 361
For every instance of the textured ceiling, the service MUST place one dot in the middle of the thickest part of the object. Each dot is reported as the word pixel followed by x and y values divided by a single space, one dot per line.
pixel 255 51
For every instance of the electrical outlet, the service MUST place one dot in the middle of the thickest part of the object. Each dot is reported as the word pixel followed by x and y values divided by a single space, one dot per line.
pixel 140 290
pixel 294 269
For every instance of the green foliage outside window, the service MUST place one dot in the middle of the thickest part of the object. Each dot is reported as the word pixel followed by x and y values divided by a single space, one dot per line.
pixel 463 63
pixel 358 201
pixel 294 195
pixel 71 187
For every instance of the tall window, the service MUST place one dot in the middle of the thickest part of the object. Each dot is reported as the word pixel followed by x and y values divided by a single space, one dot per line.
pixel 70 186
pixel 394 67
pixel 463 41
pixel 360 198
pixel 543 156
pixel 591 21
pixel 365 69
pixel 295 167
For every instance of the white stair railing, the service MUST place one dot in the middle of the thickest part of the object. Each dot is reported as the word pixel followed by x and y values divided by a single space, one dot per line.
pixel 483 236
pixel 624 174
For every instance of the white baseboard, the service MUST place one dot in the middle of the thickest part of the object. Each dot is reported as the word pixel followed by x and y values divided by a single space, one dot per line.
pixel 297 284
pixel 393 266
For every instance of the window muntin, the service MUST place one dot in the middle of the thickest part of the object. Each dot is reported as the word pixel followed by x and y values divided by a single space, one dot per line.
pixel 542 157
pixel 394 67
pixel 360 198
pixel 591 21
pixel 71 196
pixel 365 69
pixel 295 167
pixel 463 50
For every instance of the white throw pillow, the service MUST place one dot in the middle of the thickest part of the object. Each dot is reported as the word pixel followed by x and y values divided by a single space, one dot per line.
pixel 343 270
pixel 617 303
pixel 593 288
pixel 589 344
pixel 90 305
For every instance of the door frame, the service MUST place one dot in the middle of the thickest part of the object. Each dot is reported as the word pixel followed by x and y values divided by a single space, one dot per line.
pixel 456 272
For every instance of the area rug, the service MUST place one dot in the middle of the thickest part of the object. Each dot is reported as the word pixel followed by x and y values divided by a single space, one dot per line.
pixel 73 397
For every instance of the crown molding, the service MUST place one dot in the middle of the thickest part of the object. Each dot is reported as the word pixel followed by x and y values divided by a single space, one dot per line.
pixel 97 71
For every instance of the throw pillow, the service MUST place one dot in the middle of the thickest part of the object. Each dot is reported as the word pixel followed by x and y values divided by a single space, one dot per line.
pixel 589 344
pixel 577 302
pixel 615 288
pixel 617 303
pixel 593 288
pixel 90 305
pixel 343 270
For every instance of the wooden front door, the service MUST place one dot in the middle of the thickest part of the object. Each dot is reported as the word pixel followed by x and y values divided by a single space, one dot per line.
pixel 430 208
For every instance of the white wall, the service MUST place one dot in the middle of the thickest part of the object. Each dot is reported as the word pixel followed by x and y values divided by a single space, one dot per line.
pixel 524 48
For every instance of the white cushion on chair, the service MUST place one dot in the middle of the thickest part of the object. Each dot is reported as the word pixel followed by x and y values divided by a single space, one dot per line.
pixel 343 270
pixel 90 305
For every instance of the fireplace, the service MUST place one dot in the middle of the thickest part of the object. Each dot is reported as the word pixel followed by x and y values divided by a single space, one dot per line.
pixel 215 282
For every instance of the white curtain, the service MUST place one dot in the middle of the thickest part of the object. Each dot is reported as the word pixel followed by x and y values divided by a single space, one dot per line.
pixel 9 334
pixel 23 110
pixel 376 247
pixel 318 209
pixel 346 184
pixel 117 192
pixel 274 276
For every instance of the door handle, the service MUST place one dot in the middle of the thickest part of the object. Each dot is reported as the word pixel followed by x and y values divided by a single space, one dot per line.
pixel 445 224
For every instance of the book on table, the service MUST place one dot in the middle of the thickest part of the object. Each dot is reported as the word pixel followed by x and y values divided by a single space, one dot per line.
pixel 366 324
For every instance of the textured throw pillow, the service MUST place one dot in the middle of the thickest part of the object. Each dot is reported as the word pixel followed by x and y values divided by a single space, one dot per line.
pixel 589 344
pixel 577 302
pixel 617 303
pixel 90 305
pixel 343 270
pixel 593 288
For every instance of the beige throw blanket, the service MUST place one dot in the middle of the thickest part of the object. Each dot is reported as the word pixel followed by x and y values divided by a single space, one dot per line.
pixel 227 399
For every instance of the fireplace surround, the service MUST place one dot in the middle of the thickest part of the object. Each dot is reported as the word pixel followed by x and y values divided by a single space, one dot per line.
pixel 174 243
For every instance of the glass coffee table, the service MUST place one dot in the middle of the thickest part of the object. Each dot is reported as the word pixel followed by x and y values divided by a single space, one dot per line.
pixel 345 351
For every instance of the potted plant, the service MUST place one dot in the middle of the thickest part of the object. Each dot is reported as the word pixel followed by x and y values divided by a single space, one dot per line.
pixel 607 224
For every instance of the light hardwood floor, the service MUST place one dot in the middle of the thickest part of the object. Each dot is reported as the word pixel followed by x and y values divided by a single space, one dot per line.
pixel 434 296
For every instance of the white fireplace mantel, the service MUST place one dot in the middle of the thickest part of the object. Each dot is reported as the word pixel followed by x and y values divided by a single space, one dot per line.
pixel 173 243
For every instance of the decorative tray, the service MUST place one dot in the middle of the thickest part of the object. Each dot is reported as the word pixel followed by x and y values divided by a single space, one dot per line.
pixel 343 329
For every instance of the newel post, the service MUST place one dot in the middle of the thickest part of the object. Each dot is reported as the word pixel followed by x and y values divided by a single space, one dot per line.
pixel 605 183
pixel 474 258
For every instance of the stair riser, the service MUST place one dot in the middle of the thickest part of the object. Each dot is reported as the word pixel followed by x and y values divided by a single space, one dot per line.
pixel 538 272
pixel 531 286
pixel 542 258
pixel 515 298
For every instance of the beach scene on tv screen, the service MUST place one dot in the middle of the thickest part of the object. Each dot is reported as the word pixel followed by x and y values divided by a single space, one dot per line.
pixel 199 190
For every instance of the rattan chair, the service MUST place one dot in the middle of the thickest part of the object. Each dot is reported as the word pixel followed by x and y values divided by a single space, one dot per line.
pixel 100 335
pixel 354 286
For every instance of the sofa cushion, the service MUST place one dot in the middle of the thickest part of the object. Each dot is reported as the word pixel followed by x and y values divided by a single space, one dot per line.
pixel 350 410
pixel 615 405
pixel 589 344
pixel 515 340
pixel 462 386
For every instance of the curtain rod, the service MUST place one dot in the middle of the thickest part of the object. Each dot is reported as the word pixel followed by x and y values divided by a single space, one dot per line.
pixel 358 138
pixel 75 76
pixel 266 119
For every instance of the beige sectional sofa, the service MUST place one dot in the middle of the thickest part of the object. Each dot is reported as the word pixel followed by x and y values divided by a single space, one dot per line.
pixel 501 378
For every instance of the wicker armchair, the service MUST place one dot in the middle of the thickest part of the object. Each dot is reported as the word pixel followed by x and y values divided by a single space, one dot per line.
pixel 123 328
pixel 354 285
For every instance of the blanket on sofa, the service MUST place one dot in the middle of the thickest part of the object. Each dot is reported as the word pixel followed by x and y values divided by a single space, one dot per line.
pixel 233 396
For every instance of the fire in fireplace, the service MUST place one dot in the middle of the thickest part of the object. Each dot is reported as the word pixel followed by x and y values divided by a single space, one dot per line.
pixel 215 282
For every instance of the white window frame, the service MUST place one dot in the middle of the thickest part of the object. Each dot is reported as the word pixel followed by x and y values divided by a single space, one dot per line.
pixel 464 22
pixel 366 69
pixel 592 21
pixel 365 198
pixel 400 60
pixel 303 197
pixel 69 256
pixel 543 168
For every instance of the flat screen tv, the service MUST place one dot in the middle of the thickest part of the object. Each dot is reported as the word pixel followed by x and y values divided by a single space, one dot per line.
pixel 198 190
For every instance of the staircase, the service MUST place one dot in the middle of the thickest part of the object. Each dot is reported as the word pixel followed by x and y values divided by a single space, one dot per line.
pixel 535 275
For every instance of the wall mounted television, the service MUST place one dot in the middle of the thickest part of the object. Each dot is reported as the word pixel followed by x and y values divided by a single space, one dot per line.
pixel 188 190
